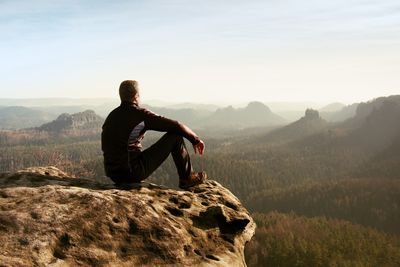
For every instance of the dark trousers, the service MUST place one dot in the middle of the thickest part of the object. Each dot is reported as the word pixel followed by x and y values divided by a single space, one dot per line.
pixel 146 162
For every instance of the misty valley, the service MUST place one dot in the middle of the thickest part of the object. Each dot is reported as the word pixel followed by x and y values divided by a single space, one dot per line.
pixel 322 185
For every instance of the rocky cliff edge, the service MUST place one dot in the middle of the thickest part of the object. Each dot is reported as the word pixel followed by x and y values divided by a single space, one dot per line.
pixel 48 218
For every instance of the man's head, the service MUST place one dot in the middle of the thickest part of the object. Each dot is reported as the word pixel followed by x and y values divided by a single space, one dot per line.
pixel 129 91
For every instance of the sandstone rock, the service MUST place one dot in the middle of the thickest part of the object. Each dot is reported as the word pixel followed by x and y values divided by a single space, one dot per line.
pixel 312 114
pixel 81 121
pixel 50 219
pixel 48 170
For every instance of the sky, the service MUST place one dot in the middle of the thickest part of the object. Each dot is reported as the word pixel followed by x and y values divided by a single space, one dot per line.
pixel 206 51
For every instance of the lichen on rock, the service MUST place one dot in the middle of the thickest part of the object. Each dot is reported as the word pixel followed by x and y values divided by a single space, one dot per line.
pixel 48 218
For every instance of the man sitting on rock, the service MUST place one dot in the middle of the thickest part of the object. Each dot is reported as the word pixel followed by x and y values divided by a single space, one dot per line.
pixel 123 131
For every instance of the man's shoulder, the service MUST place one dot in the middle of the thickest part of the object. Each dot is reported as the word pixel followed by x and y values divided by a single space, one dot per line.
pixel 122 111
pixel 146 111
pixel 131 110
pixel 126 108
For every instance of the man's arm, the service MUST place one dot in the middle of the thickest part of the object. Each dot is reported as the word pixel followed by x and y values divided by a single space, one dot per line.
pixel 156 122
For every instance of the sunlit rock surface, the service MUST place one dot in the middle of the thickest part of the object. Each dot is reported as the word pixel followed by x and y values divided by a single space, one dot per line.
pixel 50 219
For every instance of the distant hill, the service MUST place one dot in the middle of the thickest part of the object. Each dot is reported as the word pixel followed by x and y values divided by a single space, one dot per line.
pixel 364 110
pixel 333 107
pixel 373 128
pixel 380 123
pixel 308 125
pixel 367 145
pixel 340 115
pixel 254 114
pixel 322 150
pixel 83 122
pixel 17 117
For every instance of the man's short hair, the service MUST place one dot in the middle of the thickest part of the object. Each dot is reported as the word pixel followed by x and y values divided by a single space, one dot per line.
pixel 128 90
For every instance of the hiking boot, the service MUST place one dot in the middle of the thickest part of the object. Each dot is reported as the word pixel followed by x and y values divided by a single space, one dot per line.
pixel 195 178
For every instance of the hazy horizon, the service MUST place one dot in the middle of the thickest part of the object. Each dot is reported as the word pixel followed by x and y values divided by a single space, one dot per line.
pixel 96 101
pixel 202 51
pixel 210 102
pixel 43 101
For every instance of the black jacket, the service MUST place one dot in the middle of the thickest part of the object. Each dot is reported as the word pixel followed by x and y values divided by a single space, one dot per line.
pixel 124 129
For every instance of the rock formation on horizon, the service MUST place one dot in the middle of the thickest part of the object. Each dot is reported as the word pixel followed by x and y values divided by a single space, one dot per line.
pixel 311 123
pixel 311 114
pixel 82 122
pixel 48 218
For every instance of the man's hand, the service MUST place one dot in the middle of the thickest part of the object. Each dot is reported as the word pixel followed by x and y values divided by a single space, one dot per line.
pixel 199 148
